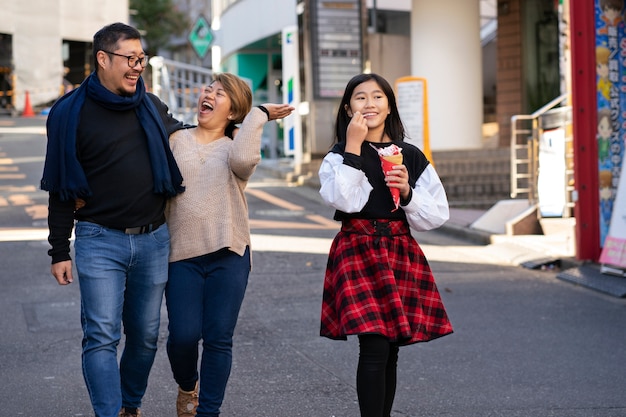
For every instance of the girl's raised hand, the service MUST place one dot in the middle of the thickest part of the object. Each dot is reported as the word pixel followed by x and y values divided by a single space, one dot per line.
pixel 356 133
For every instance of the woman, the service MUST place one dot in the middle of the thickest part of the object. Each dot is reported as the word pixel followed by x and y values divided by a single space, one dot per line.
pixel 210 239
pixel 378 284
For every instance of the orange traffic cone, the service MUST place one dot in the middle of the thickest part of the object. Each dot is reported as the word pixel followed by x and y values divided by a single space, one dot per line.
pixel 28 109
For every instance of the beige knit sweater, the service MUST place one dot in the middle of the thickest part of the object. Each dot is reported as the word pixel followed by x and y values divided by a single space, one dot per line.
pixel 212 213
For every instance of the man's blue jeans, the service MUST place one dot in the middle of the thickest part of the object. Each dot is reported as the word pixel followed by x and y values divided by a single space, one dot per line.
pixel 204 296
pixel 122 279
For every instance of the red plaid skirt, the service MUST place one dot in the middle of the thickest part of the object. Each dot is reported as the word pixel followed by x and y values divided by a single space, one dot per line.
pixel 379 281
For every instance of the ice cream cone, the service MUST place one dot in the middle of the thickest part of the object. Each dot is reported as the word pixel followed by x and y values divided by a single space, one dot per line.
pixel 388 162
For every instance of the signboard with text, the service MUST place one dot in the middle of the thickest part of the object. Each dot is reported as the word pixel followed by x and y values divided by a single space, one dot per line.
pixel 551 183
pixel 291 93
pixel 412 100
pixel 336 45
pixel 610 51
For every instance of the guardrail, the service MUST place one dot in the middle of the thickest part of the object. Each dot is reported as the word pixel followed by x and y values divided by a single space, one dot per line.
pixel 179 85
pixel 526 131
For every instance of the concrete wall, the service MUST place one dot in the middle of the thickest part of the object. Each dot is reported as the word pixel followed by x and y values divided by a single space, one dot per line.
pixel 475 178
pixel 390 55
pixel 446 50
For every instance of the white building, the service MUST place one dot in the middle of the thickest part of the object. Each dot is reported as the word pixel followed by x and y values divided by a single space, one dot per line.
pixel 40 38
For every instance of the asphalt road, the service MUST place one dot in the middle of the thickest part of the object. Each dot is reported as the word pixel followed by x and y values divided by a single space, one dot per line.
pixel 525 344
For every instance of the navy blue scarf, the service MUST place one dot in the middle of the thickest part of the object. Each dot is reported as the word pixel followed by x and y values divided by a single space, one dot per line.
pixel 62 171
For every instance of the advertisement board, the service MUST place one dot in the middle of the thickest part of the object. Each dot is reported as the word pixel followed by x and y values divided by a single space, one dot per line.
pixel 614 250
pixel 291 93
pixel 412 100
pixel 336 45
pixel 610 48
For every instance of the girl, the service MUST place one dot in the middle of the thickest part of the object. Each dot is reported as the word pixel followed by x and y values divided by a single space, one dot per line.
pixel 378 284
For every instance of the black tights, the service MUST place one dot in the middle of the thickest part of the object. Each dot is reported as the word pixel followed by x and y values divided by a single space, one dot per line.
pixel 376 375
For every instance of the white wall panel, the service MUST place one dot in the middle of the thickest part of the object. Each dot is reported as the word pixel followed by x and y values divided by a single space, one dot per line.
pixel 248 21
pixel 446 50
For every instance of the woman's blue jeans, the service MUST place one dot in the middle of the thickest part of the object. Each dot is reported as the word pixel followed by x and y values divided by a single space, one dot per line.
pixel 203 297
pixel 122 279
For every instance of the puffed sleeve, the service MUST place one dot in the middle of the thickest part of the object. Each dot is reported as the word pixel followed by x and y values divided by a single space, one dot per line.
pixel 428 207
pixel 342 186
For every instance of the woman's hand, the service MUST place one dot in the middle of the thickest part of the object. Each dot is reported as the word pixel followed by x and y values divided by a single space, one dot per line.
pixel 398 177
pixel 278 111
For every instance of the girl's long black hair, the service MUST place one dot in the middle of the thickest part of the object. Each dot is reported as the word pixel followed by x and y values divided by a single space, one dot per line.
pixel 393 125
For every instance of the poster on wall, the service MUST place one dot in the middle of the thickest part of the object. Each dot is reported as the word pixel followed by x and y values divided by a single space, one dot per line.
pixel 412 101
pixel 611 129
pixel 614 250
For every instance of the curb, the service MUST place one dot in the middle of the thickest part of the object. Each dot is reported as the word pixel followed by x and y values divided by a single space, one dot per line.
pixel 472 235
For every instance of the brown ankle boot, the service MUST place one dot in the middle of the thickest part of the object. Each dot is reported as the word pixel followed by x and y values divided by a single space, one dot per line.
pixel 187 402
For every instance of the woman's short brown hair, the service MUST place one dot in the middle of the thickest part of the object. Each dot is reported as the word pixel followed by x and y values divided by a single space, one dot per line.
pixel 239 93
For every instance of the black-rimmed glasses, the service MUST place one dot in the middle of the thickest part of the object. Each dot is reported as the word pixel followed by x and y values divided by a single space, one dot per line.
pixel 133 60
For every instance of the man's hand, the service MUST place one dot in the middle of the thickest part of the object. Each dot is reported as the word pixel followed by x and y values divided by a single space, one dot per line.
pixel 62 271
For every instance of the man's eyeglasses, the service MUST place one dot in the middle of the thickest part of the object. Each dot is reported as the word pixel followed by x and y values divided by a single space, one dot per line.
pixel 133 60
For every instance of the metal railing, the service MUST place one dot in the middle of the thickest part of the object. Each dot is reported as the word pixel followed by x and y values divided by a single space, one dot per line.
pixel 179 85
pixel 526 130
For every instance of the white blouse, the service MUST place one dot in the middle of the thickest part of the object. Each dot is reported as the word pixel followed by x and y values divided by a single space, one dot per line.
pixel 347 189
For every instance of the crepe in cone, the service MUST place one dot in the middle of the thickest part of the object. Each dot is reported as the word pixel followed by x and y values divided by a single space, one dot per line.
pixel 388 162
pixel 389 157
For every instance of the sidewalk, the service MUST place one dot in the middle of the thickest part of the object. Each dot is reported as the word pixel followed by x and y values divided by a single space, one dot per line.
pixel 555 250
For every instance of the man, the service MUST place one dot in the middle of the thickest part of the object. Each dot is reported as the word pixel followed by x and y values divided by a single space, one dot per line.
pixel 109 166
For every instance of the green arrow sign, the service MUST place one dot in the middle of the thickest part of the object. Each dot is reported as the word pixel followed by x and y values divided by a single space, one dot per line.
pixel 201 37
